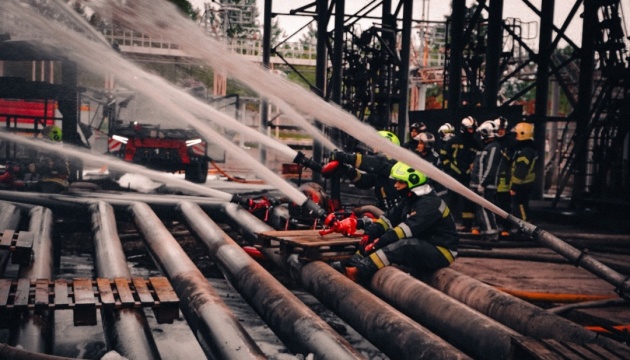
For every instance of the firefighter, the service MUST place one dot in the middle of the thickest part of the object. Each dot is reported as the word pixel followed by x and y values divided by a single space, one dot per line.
pixel 450 146
pixel 368 171
pixel 425 149
pixel 53 169
pixel 483 177
pixel 523 172
pixel 502 197
pixel 465 157
pixel 418 234
pixel 414 130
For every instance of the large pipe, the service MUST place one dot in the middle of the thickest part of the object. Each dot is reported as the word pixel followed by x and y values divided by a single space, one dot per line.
pixel 577 257
pixel 465 328
pixel 9 219
pixel 515 313
pixel 395 334
pixel 218 330
pixel 295 323
pixel 392 332
pixel 126 330
pixel 34 331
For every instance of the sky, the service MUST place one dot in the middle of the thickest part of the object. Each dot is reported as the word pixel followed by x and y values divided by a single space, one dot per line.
pixel 435 10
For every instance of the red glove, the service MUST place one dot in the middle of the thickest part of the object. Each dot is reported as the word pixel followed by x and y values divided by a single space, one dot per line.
pixel 330 168
pixel 369 248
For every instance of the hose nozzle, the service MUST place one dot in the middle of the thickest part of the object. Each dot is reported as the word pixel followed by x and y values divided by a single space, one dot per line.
pixel 301 159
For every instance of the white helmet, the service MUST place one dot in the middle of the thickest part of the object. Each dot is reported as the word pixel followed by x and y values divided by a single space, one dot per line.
pixel 426 138
pixel 488 129
pixel 446 131
pixel 501 124
pixel 468 123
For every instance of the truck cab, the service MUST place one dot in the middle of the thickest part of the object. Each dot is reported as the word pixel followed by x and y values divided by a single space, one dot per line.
pixel 171 150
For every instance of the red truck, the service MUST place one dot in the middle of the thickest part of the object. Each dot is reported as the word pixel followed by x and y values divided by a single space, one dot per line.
pixel 171 150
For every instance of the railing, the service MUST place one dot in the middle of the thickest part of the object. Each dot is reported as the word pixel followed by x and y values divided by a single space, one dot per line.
pixel 133 41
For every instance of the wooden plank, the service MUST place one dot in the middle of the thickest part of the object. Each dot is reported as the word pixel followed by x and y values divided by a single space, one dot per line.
pixel 168 308
pixel 23 251
pixel 5 289
pixel 603 352
pixel 84 302
pixel 7 238
pixel 105 292
pixel 561 349
pixel 163 289
pixel 42 297
pixel 61 293
pixel 528 348
pixel 22 293
pixel 142 289
pixel 124 292
pixel 584 352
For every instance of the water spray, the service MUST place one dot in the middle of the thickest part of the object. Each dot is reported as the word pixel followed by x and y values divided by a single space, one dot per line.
pixel 81 153
pixel 163 21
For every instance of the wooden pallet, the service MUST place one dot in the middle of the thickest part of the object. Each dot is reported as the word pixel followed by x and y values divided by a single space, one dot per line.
pixel 526 348
pixel 84 296
pixel 20 244
pixel 309 244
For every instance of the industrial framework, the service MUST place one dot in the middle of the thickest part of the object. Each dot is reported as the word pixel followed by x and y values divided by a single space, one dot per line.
pixel 370 72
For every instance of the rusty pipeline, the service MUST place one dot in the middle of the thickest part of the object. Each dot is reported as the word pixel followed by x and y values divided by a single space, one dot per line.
pixel 219 332
pixel 576 256
pixel 465 328
pixel 392 332
pixel 127 330
pixel 519 315
pixel 294 322
pixel 34 331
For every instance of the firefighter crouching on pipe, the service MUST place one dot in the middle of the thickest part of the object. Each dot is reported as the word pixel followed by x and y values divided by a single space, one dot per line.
pixel 53 169
pixel 418 234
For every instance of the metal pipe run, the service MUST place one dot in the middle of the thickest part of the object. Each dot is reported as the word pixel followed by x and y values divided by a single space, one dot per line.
pixel 296 324
pixel 126 330
pixel 465 328
pixel 9 219
pixel 34 328
pixel 577 257
pixel 218 331
pixel 395 334
pixel 515 313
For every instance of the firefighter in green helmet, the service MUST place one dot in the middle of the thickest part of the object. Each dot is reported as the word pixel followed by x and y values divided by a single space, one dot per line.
pixel 52 168
pixel 418 234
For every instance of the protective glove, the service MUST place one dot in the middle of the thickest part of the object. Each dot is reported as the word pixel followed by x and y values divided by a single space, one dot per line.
pixel 330 168
pixel 342 157
pixel 373 230
pixel 388 238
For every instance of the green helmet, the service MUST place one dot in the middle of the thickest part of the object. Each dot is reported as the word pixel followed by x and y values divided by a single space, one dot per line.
pixel 52 132
pixel 389 136
pixel 403 172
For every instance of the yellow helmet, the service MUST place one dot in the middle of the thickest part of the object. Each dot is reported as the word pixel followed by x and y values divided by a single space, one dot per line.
pixel 389 136
pixel 403 172
pixel 524 131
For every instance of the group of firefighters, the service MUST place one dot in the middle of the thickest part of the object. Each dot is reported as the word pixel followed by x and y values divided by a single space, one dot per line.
pixel 417 230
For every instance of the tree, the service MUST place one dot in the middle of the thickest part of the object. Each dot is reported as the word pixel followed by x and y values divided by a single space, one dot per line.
pixel 186 7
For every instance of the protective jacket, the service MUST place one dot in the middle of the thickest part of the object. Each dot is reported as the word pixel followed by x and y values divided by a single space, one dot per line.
pixel 486 166
pixel 421 214
pixel 523 164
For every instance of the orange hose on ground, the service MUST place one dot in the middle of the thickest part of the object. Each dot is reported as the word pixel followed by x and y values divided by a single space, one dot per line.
pixel 624 328
pixel 556 298
pixel 231 178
